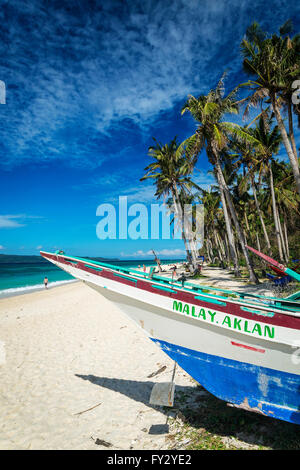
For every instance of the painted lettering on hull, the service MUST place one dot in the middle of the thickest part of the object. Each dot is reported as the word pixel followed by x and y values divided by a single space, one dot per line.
pixel 228 321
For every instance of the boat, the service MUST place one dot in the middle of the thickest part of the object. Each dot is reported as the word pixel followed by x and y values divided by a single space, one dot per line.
pixel 275 266
pixel 241 347
pixel 278 271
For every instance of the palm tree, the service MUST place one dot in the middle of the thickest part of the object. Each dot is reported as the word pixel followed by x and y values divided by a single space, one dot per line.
pixel 258 161
pixel 213 133
pixel 274 62
pixel 247 154
pixel 261 163
pixel 287 199
pixel 211 202
pixel 292 45
pixel 170 173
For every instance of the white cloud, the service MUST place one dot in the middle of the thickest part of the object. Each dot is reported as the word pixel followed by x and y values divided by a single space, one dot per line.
pixel 8 221
pixel 204 180
pixel 111 68
pixel 176 252
pixel 76 74
pixel 146 254
pixel 15 220
pixel 2 247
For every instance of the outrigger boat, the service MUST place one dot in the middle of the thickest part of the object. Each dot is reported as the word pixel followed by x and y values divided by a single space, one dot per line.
pixel 278 268
pixel 241 347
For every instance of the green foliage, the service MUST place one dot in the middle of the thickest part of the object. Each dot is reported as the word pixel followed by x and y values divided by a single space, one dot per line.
pixel 261 187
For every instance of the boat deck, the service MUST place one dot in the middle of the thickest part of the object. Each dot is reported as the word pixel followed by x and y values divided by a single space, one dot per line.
pixel 289 305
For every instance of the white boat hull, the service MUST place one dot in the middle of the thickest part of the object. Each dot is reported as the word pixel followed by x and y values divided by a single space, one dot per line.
pixel 253 366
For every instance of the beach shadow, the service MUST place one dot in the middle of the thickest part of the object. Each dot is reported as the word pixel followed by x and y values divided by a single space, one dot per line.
pixel 136 390
pixel 203 411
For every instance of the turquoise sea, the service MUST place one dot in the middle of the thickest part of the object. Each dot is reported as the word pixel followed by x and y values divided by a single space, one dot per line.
pixel 20 274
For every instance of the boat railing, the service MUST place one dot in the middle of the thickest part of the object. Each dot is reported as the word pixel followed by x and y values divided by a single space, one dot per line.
pixel 276 303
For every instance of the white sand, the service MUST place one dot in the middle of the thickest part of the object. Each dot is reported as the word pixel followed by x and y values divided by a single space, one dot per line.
pixel 68 349
pixel 224 279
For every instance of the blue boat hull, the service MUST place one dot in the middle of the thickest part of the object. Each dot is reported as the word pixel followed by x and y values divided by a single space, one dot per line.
pixel 270 392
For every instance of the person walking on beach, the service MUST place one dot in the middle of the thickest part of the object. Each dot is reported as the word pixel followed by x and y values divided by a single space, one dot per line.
pixel 144 268
pixel 174 270
pixel 46 282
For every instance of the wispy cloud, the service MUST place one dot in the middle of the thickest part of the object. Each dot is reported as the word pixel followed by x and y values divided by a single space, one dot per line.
pixel 75 76
pixel 143 192
pixel 116 184
pixel 204 179
pixel 16 220
pixel 9 221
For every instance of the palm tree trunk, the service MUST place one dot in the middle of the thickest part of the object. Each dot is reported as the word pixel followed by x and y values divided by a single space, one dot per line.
pixel 274 207
pixel 229 230
pixel 188 241
pixel 246 221
pixel 286 235
pixel 286 142
pixel 207 251
pixel 252 275
pixel 248 228
pixel 291 128
pixel 281 236
pixel 187 249
pixel 226 245
pixel 210 250
pixel 221 245
pixel 218 246
pixel 245 236
pixel 179 218
pixel 257 241
pixel 261 218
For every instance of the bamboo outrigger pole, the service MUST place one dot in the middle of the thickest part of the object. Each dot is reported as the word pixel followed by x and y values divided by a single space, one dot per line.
pixel 157 261
pixel 271 261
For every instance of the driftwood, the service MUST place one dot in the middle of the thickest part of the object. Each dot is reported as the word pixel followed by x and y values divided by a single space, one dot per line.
pixel 89 409
pixel 159 371
pixel 101 442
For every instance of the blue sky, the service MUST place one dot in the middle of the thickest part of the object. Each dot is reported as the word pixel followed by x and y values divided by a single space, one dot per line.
pixel 88 83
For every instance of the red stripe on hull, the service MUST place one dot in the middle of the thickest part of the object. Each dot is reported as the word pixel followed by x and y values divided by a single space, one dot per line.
pixel 279 319
pixel 247 347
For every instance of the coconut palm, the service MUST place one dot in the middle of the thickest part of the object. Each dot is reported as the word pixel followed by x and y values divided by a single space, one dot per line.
pixel 274 61
pixel 287 199
pixel 211 202
pixel 247 160
pixel 170 173
pixel 261 163
pixel 258 160
pixel 293 48
pixel 213 133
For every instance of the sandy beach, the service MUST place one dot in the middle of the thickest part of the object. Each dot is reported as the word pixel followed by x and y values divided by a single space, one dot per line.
pixel 222 278
pixel 68 350
pixel 74 372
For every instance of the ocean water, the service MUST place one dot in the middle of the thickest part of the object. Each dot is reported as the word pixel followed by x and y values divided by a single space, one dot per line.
pixel 18 278
pixel 21 276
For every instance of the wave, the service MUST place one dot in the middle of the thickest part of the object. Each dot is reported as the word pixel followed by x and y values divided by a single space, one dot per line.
pixel 26 289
